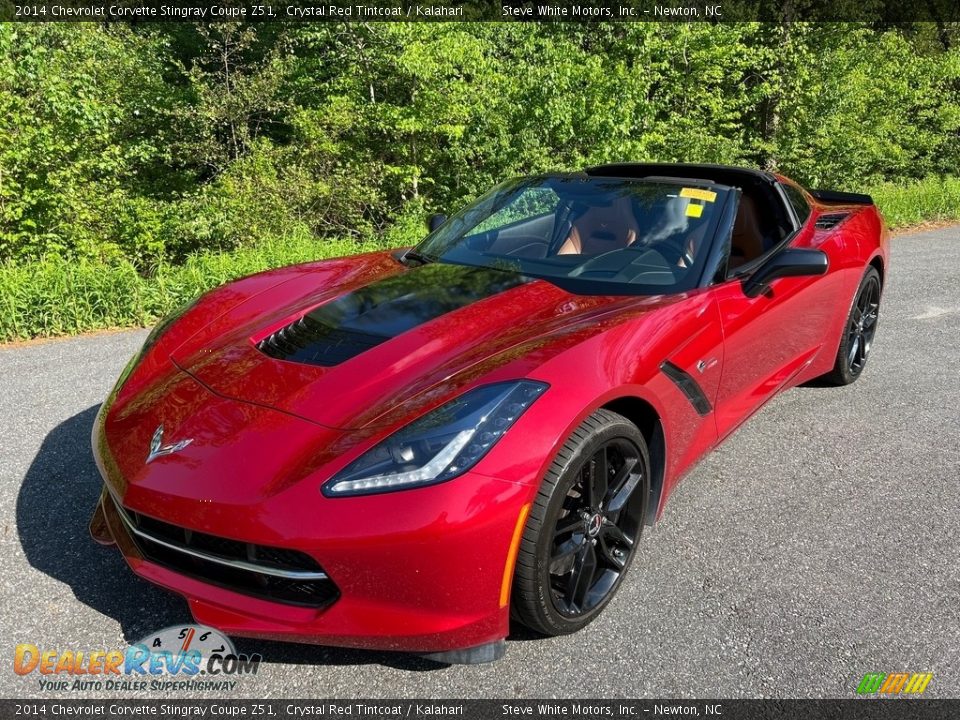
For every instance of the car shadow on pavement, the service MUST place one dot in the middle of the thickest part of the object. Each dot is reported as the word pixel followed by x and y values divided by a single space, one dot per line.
pixel 54 506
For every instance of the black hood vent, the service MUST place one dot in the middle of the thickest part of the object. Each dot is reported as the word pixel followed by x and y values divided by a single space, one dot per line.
pixel 830 220
pixel 338 345
pixel 360 320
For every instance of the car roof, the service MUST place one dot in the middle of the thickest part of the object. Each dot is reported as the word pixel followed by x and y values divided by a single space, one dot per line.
pixel 672 178
pixel 720 174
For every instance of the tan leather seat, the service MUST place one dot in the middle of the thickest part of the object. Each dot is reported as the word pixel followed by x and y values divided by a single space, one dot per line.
pixel 601 229
pixel 746 243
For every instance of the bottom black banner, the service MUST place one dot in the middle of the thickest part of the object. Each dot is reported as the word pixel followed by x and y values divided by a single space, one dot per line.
pixel 893 709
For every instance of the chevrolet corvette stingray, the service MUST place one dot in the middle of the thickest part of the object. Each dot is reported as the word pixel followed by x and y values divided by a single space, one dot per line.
pixel 406 450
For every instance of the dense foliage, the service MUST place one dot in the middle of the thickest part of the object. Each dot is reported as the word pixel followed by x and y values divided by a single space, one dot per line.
pixel 55 296
pixel 148 143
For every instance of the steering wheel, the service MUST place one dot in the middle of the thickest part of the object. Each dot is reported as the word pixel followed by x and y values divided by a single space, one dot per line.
pixel 673 254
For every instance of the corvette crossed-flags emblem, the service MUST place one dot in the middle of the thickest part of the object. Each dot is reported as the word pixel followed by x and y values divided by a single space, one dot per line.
pixel 158 449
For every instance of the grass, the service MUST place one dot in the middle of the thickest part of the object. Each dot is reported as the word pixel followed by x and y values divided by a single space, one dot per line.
pixel 55 297
pixel 931 200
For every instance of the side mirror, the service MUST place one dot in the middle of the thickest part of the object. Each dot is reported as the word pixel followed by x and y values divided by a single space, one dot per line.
pixel 792 262
pixel 436 221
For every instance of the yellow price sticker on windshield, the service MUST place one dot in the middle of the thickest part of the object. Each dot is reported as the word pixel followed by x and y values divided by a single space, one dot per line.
pixel 694 210
pixel 698 194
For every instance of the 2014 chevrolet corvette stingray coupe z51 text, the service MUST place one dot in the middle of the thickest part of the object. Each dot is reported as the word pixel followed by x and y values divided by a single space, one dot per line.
pixel 406 450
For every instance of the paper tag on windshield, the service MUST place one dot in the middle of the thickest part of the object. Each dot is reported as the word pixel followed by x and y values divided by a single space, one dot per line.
pixel 698 194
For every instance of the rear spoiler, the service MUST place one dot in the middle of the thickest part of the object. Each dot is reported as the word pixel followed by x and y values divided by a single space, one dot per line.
pixel 834 197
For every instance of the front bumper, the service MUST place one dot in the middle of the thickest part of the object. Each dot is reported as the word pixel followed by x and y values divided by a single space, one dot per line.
pixel 273 574
pixel 418 571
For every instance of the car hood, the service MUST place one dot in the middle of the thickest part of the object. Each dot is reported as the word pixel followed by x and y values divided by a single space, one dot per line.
pixel 346 356
pixel 208 455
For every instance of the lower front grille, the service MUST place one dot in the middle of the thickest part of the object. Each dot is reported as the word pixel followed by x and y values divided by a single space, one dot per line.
pixel 276 574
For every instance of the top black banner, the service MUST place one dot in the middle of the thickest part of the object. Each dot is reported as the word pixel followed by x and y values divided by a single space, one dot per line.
pixel 714 11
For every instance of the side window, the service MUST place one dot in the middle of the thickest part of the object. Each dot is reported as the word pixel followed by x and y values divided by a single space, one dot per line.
pixel 798 201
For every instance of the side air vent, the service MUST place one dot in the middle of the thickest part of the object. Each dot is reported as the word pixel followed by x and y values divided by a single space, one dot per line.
pixel 830 220
pixel 688 386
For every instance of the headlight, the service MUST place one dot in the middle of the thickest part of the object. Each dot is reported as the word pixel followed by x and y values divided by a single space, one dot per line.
pixel 439 446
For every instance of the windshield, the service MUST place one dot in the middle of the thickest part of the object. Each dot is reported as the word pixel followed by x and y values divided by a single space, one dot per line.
pixel 589 235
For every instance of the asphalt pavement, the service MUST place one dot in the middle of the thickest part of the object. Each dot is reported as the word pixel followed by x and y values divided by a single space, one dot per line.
pixel 819 543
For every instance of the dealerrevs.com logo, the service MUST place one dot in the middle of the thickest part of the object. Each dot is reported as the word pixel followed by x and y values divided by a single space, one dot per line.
pixel 182 657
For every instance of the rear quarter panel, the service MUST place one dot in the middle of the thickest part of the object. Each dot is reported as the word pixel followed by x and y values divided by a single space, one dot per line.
pixel 852 245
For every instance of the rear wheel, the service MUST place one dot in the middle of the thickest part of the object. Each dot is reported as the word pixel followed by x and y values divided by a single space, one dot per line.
pixel 584 526
pixel 859 331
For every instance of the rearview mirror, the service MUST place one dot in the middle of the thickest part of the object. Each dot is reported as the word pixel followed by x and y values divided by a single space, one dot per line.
pixel 436 221
pixel 792 262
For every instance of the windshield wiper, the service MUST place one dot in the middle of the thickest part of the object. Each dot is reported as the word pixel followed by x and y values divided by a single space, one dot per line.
pixel 416 257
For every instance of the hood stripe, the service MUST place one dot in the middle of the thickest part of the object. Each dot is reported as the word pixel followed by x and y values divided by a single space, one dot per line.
pixel 360 320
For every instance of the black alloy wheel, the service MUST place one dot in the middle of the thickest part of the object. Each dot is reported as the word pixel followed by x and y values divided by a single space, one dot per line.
pixel 863 325
pixel 859 332
pixel 584 526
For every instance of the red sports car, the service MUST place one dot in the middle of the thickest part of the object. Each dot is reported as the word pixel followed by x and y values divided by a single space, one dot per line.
pixel 405 450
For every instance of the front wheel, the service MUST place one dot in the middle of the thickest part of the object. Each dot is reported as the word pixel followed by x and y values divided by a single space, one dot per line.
pixel 584 526
pixel 859 331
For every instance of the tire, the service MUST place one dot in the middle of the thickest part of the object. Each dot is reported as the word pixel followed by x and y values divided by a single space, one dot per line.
pixel 568 526
pixel 858 331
